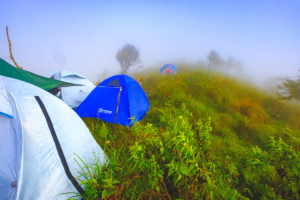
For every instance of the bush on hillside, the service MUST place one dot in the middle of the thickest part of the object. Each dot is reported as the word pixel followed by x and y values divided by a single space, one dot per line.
pixel 206 136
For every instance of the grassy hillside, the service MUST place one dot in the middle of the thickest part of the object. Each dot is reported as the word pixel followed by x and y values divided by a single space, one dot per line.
pixel 244 109
pixel 206 136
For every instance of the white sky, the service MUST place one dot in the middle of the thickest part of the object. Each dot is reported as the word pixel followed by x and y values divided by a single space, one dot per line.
pixel 84 36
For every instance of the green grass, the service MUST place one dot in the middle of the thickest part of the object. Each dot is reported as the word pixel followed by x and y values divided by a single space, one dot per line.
pixel 206 136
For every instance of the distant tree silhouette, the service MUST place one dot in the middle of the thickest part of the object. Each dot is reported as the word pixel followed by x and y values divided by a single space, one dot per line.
pixel 221 64
pixel 102 76
pixel 201 64
pixel 213 59
pixel 229 64
pixel 127 57
pixel 238 66
pixel 289 89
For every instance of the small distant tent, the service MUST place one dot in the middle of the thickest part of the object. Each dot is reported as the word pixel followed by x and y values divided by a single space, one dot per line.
pixel 168 69
pixel 39 137
pixel 48 84
pixel 72 96
pixel 116 100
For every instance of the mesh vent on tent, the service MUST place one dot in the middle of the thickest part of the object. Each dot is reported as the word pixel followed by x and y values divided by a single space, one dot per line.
pixel 114 82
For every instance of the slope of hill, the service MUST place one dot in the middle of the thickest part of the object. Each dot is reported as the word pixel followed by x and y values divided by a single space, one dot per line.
pixel 206 136
pixel 242 108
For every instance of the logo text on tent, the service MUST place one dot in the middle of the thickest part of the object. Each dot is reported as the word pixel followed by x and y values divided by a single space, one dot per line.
pixel 104 111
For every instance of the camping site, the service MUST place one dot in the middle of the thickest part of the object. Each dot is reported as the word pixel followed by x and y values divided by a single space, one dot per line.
pixel 149 100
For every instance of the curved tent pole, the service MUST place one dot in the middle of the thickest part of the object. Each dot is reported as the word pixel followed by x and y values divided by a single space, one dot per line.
pixel 117 110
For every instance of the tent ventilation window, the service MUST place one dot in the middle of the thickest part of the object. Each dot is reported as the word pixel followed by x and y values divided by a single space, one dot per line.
pixel 114 82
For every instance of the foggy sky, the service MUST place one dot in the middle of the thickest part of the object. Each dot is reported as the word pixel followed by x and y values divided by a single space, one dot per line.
pixel 84 36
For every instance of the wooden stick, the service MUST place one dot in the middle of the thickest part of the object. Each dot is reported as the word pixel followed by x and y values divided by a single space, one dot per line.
pixel 11 55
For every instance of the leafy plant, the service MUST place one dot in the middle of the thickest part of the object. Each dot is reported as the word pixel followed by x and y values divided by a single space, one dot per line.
pixel 204 137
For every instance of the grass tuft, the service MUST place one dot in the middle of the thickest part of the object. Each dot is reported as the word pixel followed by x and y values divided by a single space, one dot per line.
pixel 206 136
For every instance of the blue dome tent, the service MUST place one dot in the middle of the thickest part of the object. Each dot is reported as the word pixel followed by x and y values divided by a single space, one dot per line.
pixel 115 100
pixel 168 69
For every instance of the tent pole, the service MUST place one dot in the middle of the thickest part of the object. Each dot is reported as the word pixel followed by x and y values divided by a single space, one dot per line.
pixel 117 110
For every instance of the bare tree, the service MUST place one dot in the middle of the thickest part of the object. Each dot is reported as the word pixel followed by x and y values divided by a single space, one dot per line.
pixel 102 76
pixel 127 57
pixel 221 65
pixel 229 64
pixel 201 64
pixel 213 59
pixel 238 66
pixel 10 51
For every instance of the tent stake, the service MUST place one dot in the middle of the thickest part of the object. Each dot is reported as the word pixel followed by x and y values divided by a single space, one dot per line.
pixel 117 110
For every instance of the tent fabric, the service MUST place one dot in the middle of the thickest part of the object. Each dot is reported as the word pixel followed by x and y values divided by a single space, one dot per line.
pixel 73 96
pixel 8 70
pixel 30 164
pixel 10 149
pixel 5 108
pixel 103 100
pixel 65 73
pixel 8 153
pixel 168 69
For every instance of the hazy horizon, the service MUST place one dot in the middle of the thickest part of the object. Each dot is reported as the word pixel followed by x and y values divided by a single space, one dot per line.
pixel 85 36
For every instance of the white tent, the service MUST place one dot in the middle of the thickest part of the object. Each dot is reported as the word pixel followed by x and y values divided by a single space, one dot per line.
pixel 39 137
pixel 72 96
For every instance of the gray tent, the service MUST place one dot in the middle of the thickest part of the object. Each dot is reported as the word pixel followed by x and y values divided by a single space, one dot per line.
pixel 39 137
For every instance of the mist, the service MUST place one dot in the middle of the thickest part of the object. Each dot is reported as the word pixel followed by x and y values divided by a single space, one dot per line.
pixel 85 36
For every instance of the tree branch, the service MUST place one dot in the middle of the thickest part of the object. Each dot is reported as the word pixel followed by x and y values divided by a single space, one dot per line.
pixel 10 51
